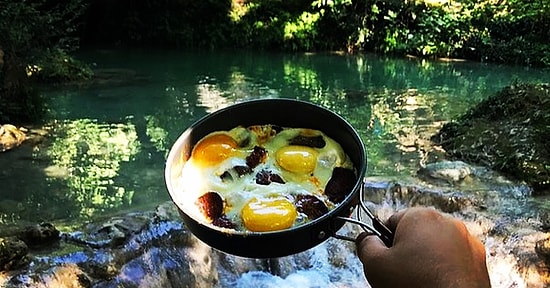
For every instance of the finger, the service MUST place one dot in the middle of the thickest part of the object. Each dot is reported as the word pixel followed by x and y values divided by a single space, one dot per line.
pixel 376 260
pixel 394 219
pixel 370 250
pixel 362 236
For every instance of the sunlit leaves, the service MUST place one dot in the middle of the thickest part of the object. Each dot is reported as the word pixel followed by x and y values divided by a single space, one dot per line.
pixel 390 16
pixel 428 28
pixel 330 3
pixel 302 29
pixel 302 26
pixel 239 9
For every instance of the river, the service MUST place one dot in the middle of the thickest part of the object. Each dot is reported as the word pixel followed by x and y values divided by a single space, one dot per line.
pixel 109 139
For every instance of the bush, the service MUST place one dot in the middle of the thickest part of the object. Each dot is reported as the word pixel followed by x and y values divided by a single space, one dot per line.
pixel 56 66
pixel 30 30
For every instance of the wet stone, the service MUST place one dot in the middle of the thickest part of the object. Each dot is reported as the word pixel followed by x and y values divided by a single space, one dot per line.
pixel 542 247
pixel 507 132
pixel 544 218
pixel 39 234
pixel 112 233
pixel 448 171
pixel 415 194
pixel 11 137
pixel 167 211
pixel 501 228
pixel 143 249
pixel 13 253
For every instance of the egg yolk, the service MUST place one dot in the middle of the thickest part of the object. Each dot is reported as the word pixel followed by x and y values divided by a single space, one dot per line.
pixel 268 214
pixel 214 149
pixel 298 159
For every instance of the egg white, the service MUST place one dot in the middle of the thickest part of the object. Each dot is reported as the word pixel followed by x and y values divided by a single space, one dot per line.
pixel 196 180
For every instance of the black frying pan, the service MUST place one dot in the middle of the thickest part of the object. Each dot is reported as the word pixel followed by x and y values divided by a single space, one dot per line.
pixel 284 113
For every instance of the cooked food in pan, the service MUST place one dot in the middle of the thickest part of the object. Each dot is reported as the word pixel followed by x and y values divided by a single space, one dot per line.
pixel 264 178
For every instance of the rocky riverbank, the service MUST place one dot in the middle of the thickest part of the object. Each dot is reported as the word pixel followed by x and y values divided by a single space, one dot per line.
pixel 153 248
pixel 508 132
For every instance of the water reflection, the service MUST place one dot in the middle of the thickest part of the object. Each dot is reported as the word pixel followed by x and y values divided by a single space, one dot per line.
pixel 92 154
pixel 211 97
pixel 109 142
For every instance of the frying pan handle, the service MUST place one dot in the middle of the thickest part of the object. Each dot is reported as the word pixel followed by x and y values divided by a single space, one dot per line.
pixel 385 233
pixel 377 228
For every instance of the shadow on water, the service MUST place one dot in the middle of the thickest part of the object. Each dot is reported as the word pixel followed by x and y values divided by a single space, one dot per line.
pixel 108 139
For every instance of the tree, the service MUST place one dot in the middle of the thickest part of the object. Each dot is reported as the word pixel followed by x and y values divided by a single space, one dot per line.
pixel 35 36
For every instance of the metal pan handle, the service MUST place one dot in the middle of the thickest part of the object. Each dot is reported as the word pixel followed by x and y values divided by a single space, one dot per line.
pixel 385 234
pixel 377 228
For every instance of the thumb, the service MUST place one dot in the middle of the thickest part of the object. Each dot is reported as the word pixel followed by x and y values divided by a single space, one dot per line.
pixel 374 255
pixel 371 251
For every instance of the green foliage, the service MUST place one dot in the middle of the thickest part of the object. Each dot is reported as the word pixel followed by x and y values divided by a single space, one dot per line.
pixel 300 34
pixel 439 33
pixel 511 31
pixel 262 26
pixel 56 66
pixel 514 32
pixel 27 27
pixel 408 28
pixel 517 33
pixel 276 25
pixel 29 30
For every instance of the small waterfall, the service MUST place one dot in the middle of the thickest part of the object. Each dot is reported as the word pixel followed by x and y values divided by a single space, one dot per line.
pixel 506 226
pixel 330 264
pixel 160 252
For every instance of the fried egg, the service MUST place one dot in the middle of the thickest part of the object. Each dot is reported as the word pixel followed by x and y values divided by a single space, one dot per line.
pixel 258 171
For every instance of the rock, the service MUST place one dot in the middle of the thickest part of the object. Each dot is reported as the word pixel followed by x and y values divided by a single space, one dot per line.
pixel 544 218
pixel 13 253
pixel 67 275
pixel 542 247
pixel 168 211
pixel 450 171
pixel 112 233
pixel 414 194
pixel 507 132
pixel 500 228
pixel 39 235
pixel 10 137
pixel 133 250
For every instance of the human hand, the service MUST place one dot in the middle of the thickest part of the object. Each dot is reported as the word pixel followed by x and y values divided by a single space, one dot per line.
pixel 429 250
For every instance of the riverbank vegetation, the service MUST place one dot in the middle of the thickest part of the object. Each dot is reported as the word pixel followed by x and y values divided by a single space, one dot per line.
pixel 502 31
pixel 38 36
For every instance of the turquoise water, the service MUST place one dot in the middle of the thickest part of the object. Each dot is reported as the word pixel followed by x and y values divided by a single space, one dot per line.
pixel 108 141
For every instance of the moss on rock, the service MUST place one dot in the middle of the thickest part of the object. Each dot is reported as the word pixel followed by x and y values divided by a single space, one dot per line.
pixel 509 132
